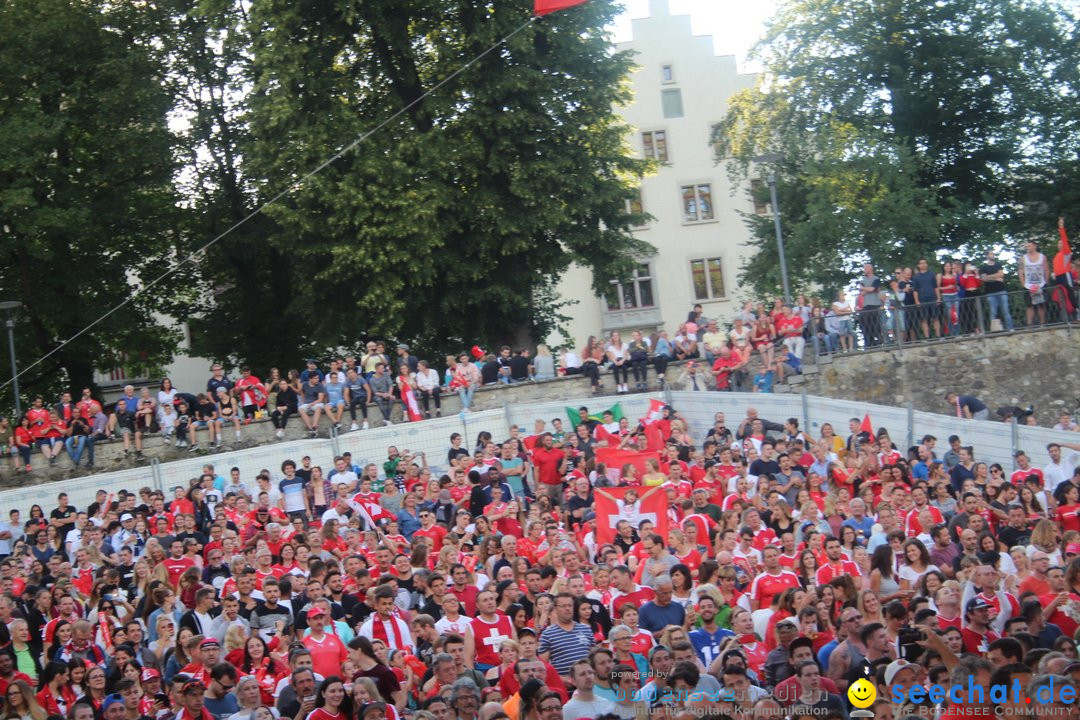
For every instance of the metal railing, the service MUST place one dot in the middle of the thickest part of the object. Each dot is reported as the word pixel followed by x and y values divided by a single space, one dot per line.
pixel 951 319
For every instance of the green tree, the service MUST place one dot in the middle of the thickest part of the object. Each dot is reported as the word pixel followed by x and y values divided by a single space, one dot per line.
pixel 87 208
pixel 451 224
pixel 906 128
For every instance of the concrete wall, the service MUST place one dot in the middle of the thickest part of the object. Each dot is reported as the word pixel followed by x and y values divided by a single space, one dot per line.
pixel 1039 368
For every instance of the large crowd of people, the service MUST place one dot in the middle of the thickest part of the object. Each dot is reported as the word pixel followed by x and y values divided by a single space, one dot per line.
pixel 792 567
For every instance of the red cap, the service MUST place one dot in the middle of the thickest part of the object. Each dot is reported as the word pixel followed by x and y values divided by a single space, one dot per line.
pixel 1072 548
pixel 149 673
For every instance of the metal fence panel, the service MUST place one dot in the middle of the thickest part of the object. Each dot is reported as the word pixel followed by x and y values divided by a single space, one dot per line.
pixel 992 440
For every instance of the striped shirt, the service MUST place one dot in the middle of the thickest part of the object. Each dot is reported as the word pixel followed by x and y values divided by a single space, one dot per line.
pixel 566 647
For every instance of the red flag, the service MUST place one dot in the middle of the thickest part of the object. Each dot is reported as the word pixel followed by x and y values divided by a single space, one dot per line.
pixel 601 434
pixel 651 505
pixel 615 458
pixel 866 426
pixel 655 412
pixel 543 7
pixel 530 442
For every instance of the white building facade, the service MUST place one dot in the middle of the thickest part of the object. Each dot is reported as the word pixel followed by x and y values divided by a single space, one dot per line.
pixel 681 89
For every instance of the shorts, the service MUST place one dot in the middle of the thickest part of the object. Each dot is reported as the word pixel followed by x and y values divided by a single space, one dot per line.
pixel 199 424
pixel 125 430
pixel 1035 300
pixel 310 408
pixel 224 419
pixel 46 442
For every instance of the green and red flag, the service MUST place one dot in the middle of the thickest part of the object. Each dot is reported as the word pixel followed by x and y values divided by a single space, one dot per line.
pixel 575 416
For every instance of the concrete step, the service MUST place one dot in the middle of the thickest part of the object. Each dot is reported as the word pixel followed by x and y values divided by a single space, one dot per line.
pixel 824 360
pixel 795 379
pixel 781 389
pixel 810 370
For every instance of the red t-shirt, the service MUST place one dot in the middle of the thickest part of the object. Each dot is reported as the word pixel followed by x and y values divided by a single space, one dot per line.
pixel 637 597
pixel 436 533
pixel 327 654
pixel 488 637
pixel 827 572
pixel 789 326
pixel 975 643
pixel 765 586
pixel 1020 476
pixel 175 567
pixel 1068 516
pixel 547 465
pixel 467 597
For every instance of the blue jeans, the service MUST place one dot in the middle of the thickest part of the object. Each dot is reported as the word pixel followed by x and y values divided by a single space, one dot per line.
pixel 999 303
pixel 466 393
pixel 75 447
pixel 829 341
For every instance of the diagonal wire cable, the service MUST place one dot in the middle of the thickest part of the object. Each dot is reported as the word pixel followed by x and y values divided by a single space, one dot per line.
pixel 293 186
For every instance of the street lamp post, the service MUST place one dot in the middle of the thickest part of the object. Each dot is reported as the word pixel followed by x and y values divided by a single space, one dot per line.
pixel 770 178
pixel 9 307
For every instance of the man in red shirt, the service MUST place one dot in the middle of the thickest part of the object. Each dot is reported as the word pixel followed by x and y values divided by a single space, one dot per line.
pixel 977 633
pixel 836 566
pixel 624 590
pixel 327 652
pixel 490 628
pixel 461 589
pixel 789 327
pixel 177 562
pixel 549 466
pixel 1023 463
pixel 429 529
pixel 722 368
pixel 912 526
pixel 773 581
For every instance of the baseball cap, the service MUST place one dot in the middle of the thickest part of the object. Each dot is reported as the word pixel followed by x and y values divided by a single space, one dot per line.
pixel 111 700
pixel 125 517
pixel 369 707
pixel 193 686
pixel 590 515
pixel 209 642
pixel 1072 549
pixel 316 612
pixel 787 622
pixel 149 673
pixel 894 669
pixel 976 604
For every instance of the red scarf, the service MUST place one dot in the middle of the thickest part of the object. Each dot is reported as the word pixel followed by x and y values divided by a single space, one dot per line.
pixel 387 631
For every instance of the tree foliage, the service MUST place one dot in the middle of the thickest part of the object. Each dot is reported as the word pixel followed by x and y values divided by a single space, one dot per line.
pixel 907 128
pixel 451 223
pixel 87 207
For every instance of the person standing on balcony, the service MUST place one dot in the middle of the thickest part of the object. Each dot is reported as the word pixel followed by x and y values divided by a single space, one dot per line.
pixel 1066 297
pixel 872 303
pixel 1034 272
pixel 993 277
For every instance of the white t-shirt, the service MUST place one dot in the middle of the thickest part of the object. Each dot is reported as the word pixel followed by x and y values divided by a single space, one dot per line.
pixel 619 352
pixel 457 627
pixel 575 708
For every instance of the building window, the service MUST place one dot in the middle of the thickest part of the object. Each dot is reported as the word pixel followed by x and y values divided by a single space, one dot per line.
pixel 654 145
pixel 708 278
pixel 760 195
pixel 671 100
pixel 635 206
pixel 697 202
pixel 667 73
pixel 638 293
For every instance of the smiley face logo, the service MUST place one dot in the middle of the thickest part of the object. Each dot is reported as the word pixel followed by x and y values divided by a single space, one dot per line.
pixel 862 693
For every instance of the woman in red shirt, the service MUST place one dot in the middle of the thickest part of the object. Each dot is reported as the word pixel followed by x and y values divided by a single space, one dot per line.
pixel 1068 513
pixel 331 701
pixel 22 442
pixel 55 696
